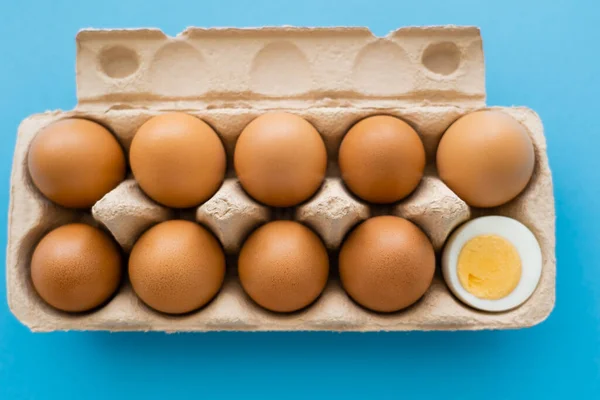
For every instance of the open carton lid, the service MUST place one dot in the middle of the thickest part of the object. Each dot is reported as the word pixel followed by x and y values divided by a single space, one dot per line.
pixel 280 67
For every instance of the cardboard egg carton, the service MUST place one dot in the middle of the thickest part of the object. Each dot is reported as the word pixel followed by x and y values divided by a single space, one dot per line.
pixel 333 77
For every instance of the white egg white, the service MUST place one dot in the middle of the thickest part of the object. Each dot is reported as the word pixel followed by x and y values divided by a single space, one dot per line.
pixel 519 236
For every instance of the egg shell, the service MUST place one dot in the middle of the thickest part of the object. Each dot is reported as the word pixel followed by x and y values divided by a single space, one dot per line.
pixel 283 266
pixel 382 159
pixel 280 159
pixel 178 159
pixel 76 267
pixel 176 267
pixel 386 264
pixel 486 157
pixel 74 162
pixel 519 236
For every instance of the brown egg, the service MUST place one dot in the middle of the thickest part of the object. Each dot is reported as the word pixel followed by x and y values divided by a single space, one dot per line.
pixel 176 267
pixel 386 264
pixel 283 266
pixel 280 159
pixel 76 267
pixel 382 159
pixel 75 162
pixel 486 158
pixel 178 160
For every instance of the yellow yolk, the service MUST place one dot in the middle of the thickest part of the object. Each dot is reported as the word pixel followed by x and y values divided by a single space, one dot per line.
pixel 489 267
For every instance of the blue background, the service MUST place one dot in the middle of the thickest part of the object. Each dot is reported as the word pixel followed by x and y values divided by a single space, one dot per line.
pixel 542 54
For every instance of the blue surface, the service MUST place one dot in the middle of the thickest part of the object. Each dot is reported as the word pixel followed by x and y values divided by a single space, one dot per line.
pixel 542 54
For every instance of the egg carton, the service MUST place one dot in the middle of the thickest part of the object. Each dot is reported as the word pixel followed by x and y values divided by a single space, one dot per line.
pixel 333 77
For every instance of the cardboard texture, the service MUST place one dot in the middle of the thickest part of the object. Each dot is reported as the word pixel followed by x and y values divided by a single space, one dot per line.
pixel 333 77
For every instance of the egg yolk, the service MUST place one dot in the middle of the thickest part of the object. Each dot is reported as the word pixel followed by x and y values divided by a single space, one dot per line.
pixel 489 267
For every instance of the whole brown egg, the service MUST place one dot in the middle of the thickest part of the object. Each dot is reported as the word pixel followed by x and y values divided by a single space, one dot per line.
pixel 486 158
pixel 76 267
pixel 280 159
pixel 178 159
pixel 283 266
pixel 176 267
pixel 386 264
pixel 75 162
pixel 382 159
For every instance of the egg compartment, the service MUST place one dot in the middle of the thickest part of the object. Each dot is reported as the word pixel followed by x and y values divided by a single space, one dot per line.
pixel 120 104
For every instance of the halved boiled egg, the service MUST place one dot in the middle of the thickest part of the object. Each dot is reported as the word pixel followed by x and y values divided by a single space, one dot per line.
pixel 492 263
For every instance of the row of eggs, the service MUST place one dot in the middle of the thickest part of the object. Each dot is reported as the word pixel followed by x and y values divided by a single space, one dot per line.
pixel 386 263
pixel 486 158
